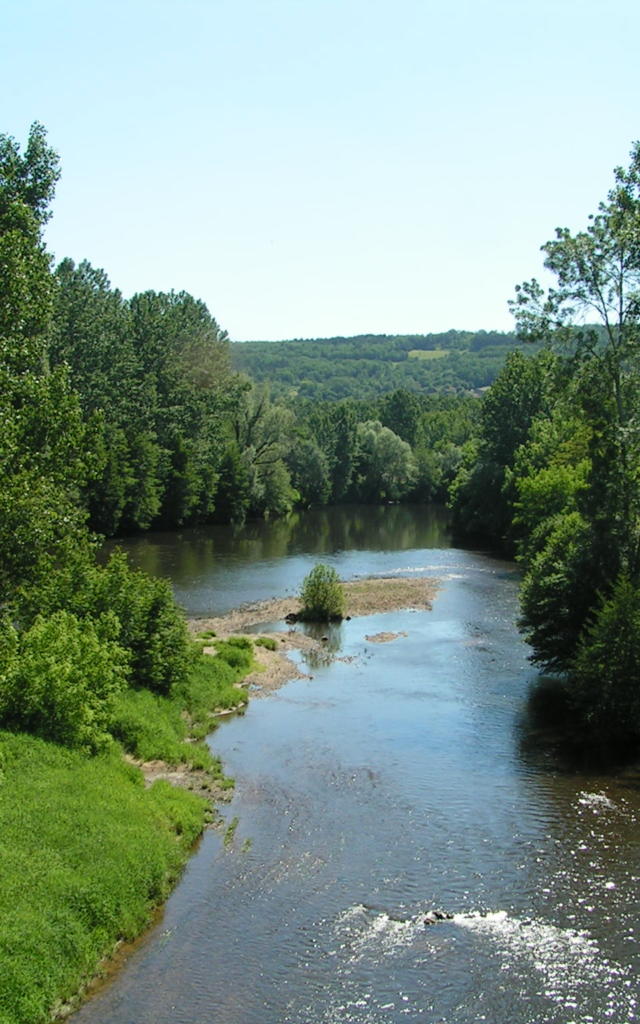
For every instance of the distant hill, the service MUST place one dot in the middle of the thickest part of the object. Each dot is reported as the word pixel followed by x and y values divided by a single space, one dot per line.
pixel 370 365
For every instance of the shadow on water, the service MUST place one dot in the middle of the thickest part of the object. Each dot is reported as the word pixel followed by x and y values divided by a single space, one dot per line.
pixel 317 531
pixel 552 737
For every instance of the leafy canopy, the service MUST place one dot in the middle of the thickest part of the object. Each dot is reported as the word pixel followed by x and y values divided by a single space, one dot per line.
pixel 322 595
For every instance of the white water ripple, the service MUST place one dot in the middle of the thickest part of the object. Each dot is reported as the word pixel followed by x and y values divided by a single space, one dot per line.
pixel 569 963
pixel 563 968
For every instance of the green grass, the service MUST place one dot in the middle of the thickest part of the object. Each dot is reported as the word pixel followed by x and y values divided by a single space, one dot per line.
pixel 85 853
pixel 428 353
pixel 266 641
pixel 151 726
pixel 230 832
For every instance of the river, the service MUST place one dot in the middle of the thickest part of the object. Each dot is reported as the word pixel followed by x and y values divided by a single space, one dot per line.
pixel 400 778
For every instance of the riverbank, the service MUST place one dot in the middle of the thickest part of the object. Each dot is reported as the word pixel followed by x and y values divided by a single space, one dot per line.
pixel 369 596
pixel 114 833
pixel 91 846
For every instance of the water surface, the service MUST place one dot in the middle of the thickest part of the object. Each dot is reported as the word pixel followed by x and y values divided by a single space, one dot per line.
pixel 401 777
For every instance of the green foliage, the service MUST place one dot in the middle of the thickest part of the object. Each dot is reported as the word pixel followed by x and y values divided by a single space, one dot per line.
pixel 555 598
pixel 334 428
pixel 62 680
pixel 482 495
pixel 237 652
pixel 268 642
pixel 309 470
pixel 150 727
pixel 86 852
pixel 30 179
pixel 370 366
pixel 233 496
pixel 385 467
pixel 211 686
pixel 604 674
pixel 152 628
pixel 154 726
pixel 322 595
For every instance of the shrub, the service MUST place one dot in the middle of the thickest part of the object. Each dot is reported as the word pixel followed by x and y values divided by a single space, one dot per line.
pixel 266 641
pixel 153 628
pixel 604 673
pixel 210 687
pixel 62 684
pixel 322 595
pixel 237 651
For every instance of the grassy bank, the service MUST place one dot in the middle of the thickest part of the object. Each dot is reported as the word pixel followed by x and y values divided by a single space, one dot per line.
pixel 86 850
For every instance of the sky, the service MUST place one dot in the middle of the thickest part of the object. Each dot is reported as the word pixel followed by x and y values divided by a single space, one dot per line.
pixel 312 168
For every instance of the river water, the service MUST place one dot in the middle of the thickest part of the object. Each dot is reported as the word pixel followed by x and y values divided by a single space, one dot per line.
pixel 401 778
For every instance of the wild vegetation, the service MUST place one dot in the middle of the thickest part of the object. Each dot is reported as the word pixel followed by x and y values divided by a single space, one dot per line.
pixel 125 414
pixel 95 659
pixel 554 474
pixel 322 596
pixel 372 365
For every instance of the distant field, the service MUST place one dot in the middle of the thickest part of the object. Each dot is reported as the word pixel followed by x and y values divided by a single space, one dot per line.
pixel 428 353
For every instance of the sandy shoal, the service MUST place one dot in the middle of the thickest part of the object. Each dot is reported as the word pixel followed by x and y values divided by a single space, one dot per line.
pixel 363 597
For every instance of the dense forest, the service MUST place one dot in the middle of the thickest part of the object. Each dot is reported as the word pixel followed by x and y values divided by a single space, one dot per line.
pixel 369 366
pixel 122 415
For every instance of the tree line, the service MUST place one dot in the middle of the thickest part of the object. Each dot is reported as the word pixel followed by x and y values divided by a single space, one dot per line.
pixel 128 414
pixel 554 474
pixel 369 366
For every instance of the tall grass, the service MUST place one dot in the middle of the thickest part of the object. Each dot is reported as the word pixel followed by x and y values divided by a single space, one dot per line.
pixel 86 851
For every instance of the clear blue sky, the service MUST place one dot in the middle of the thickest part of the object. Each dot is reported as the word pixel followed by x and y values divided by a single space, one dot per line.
pixel 319 167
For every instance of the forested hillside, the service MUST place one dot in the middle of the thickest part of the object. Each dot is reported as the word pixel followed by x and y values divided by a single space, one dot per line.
pixel 371 365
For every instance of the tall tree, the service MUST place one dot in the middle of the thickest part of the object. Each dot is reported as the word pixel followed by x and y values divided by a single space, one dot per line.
pixel 41 446
pixel 598 277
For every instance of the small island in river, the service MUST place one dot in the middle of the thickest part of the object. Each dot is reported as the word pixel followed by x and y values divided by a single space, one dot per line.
pixel 363 597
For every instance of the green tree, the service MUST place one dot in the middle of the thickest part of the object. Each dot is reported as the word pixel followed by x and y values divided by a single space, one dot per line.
pixel 386 468
pixel 482 495
pixel 63 679
pixel 309 470
pixel 400 412
pixel 322 595
pixel 334 428
pixel 598 276
pixel 263 434
pixel 604 674
pixel 42 448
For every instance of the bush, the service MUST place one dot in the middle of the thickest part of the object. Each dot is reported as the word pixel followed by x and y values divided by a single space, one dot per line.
pixel 63 679
pixel 153 628
pixel 237 651
pixel 266 641
pixel 151 725
pixel 210 687
pixel 322 595
pixel 605 671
